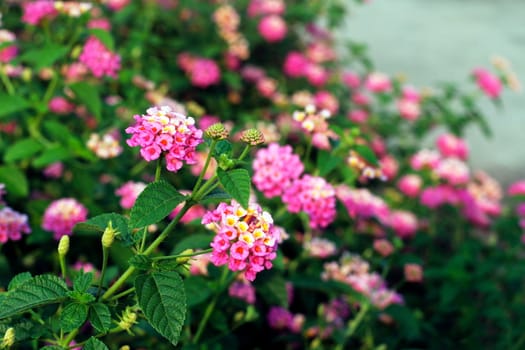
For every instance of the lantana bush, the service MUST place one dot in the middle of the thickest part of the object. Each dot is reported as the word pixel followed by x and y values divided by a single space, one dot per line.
pixel 227 175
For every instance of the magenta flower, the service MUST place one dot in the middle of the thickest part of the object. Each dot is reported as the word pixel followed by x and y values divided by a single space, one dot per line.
pixel 275 168
pixel 487 82
pixel 314 196
pixel 362 204
pixel 279 318
pixel 60 105
pixel 245 238
pixel 35 11
pixel 62 215
pixel 242 290
pixel 451 146
pixel 204 72
pixel 272 28
pixel 403 223
pixel 98 59
pixel 8 52
pixel 295 64
pixel 351 80
pixel 163 132
pixel 408 109
pixel 378 82
pixel 12 225
pixel 517 188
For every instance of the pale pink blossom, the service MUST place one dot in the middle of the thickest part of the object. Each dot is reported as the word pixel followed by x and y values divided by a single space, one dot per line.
pixel 410 185
pixel 129 193
pixel 62 215
pixel 378 82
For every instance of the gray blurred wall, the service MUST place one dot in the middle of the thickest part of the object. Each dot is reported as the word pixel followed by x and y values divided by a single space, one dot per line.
pixel 442 40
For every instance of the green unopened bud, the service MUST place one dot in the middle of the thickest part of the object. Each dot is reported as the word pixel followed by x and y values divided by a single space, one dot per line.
pixel 125 347
pixel 108 236
pixel 63 246
pixel 217 131
pixel 253 137
pixel 9 338
pixel 128 319
pixel 184 259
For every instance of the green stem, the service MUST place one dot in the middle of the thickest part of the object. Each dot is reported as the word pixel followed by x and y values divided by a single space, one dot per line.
pixel 197 194
pixel 124 277
pixel 209 309
pixel 200 252
pixel 206 164
pixel 123 294
pixel 62 260
pixel 65 342
pixel 143 240
pixel 245 152
pixel 105 254
pixel 158 169
pixel 6 81
pixel 352 325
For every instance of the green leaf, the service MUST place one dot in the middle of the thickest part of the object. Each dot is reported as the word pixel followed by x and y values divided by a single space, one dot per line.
pixel 52 347
pixel 272 286
pixel 44 57
pixel 222 147
pixel 154 203
pixel 367 154
pixel 58 131
pixel 82 281
pixel 11 104
pixel 15 181
pixel 97 224
pixel 100 317
pixel 216 194
pixel 162 298
pixel 73 316
pixel 94 344
pixel 104 36
pixel 326 162
pixel 38 291
pixel 237 183
pixel 407 322
pixel 197 290
pixel 141 262
pixel 52 155
pixel 22 149
pixel 18 280
pixel 89 96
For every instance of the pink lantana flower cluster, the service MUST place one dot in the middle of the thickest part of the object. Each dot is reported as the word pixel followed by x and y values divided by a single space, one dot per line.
pixel 362 204
pixel 489 83
pixel 104 147
pixel 314 196
pixel 10 51
pixel 275 168
pixel 202 72
pixel 162 131
pixel 129 193
pixel 243 290
pixel 98 59
pixel 245 239
pixel 354 271
pixel 62 215
pixel 12 225
pixel 36 11
pixel 315 122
